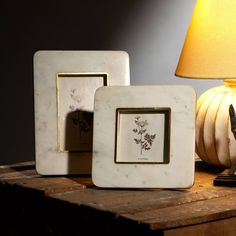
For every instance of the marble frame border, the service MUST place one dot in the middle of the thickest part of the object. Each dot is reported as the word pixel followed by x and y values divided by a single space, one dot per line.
pixel 46 64
pixel 178 172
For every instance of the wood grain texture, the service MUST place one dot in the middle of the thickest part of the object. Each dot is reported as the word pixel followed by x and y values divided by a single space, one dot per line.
pixel 25 176
pixel 154 210
pixel 226 227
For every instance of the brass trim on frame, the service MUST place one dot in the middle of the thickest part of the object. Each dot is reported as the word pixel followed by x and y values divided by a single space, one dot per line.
pixel 166 111
pixel 74 74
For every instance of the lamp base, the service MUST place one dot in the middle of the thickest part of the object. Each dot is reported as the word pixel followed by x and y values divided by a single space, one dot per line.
pixel 215 142
pixel 226 178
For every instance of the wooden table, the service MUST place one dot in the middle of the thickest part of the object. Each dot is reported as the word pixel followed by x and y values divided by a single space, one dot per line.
pixel 35 205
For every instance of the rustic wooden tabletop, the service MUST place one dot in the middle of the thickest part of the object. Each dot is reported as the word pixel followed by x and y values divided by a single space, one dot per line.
pixel 60 205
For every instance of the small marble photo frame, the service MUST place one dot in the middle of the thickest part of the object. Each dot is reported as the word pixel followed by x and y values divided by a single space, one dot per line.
pixel 64 86
pixel 144 137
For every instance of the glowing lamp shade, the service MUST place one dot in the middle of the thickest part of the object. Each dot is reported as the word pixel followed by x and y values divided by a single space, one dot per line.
pixel 210 46
pixel 209 52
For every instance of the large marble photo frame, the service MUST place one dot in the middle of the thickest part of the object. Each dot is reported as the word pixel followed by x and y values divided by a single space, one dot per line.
pixel 64 86
pixel 144 141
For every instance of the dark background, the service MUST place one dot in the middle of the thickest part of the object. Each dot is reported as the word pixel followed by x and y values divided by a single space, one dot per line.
pixel 151 31
pixel 28 26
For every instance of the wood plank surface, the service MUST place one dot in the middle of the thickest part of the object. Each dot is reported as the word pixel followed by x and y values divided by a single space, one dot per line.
pixel 25 175
pixel 156 209
pixel 226 227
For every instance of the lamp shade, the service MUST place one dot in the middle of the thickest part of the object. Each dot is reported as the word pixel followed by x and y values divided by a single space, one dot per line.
pixel 209 51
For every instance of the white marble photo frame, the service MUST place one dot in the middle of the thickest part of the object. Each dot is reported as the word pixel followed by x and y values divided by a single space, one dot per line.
pixel 64 86
pixel 144 137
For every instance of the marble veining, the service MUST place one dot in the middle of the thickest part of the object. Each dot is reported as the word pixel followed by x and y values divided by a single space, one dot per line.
pixel 178 172
pixel 50 158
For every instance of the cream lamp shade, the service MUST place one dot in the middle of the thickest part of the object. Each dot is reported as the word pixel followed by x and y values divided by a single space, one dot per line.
pixel 209 52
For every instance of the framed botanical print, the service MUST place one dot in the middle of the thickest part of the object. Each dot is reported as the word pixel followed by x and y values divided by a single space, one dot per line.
pixel 64 86
pixel 144 141
pixel 146 131
pixel 75 113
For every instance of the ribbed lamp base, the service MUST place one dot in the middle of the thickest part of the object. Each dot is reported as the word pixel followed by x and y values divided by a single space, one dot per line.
pixel 215 141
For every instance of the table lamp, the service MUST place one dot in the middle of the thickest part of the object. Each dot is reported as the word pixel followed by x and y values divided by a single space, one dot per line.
pixel 209 52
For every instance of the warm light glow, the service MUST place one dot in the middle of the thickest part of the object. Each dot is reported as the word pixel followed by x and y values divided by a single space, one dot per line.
pixel 209 50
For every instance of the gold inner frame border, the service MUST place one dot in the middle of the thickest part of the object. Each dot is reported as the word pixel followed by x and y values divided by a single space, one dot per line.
pixel 73 74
